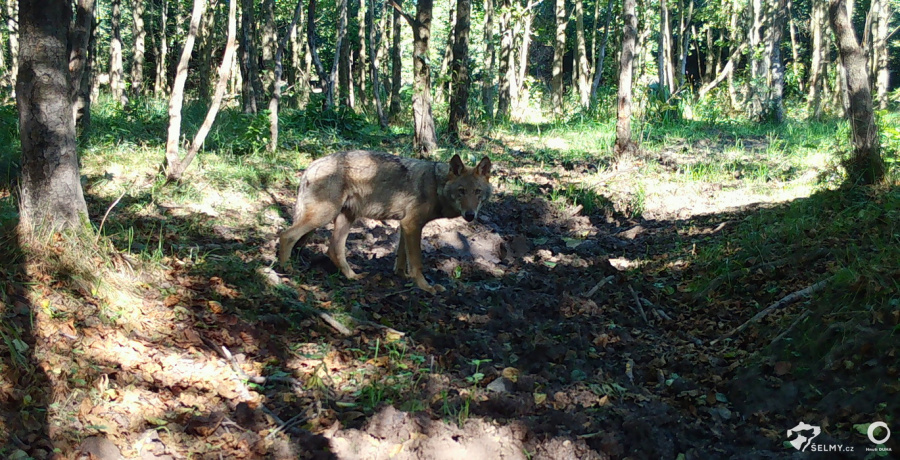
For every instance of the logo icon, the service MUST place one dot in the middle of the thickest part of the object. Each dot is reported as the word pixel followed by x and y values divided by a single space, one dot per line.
pixel 801 436
pixel 871 432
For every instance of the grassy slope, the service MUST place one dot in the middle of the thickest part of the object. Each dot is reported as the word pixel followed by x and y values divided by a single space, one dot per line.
pixel 169 253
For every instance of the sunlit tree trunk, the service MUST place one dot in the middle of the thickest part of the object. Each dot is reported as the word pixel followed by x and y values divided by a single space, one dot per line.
pixel 442 89
pixel 51 193
pixel 300 63
pixel 139 34
pixel 817 69
pixel 625 146
pixel 340 66
pixel 487 80
pixel 601 54
pixel 206 48
pixel 865 165
pixel 360 56
pixel 425 137
pixel 795 52
pixel 559 49
pixel 269 43
pixel 176 99
pixel 581 59
pixel 459 68
pixel 79 59
pixel 277 80
pixel 116 73
pixel 522 67
pixel 160 82
pixel 684 31
pixel 881 14
pixel 312 43
pixel 734 39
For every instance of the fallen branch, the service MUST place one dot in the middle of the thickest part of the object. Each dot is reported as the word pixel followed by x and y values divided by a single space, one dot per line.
pixel 790 328
pixel 637 302
pixel 599 285
pixel 786 300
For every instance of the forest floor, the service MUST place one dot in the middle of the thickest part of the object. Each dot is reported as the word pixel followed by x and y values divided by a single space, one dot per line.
pixel 590 313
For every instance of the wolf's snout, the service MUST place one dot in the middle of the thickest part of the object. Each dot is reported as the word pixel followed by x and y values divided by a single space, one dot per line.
pixel 469 216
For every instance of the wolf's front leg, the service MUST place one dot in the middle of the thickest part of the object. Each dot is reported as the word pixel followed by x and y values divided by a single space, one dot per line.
pixel 412 239
pixel 400 264
pixel 337 250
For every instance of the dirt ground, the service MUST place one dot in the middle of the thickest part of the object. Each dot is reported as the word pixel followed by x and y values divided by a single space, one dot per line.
pixel 561 336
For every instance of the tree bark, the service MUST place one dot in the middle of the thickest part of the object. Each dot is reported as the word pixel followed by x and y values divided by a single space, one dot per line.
pixel 79 56
pixel 360 56
pixel 817 67
pixel 425 137
pixel 139 33
pixel 51 193
pixel 601 55
pixel 625 146
pixel 374 62
pixel 161 81
pixel 880 56
pixel 559 49
pixel 312 42
pixel 12 12
pixel 176 99
pixel 396 65
pixel 581 59
pixel 277 81
pixel 340 63
pixel 795 52
pixel 269 43
pixel 522 68
pixel 206 48
pixel 459 68
pixel 506 44
pixel 685 42
pixel 487 80
pixel 116 72
pixel 865 166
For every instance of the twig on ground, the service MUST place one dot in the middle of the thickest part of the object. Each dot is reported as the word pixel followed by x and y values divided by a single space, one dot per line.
pixel 285 426
pixel 790 328
pixel 599 285
pixel 332 322
pixel 792 260
pixel 659 312
pixel 786 300
pixel 103 220
pixel 637 301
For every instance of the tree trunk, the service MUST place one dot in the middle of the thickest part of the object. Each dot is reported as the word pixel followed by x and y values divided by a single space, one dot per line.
pixel 795 52
pixel 176 99
pixel 506 43
pixel 425 138
pixel 177 167
pixel 277 81
pixel 139 33
pixel 459 68
pixel 51 193
pixel 116 73
pixel 161 81
pixel 519 86
pixel 880 57
pixel 559 49
pixel 299 59
pixel 79 56
pixel 625 146
pixel 206 48
pixel 734 39
pixel 396 65
pixel 312 42
pixel 865 165
pixel 268 43
pixel 817 68
pixel 360 55
pixel 685 43
pixel 374 62
pixel 581 59
pixel 601 55
pixel 487 80
pixel 337 64
pixel 12 12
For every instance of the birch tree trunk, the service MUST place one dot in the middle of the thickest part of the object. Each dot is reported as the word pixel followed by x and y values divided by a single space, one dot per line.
pixel 277 80
pixel 176 99
pixel 51 193
pixel 116 72
pixel 139 33
pixel 559 49
pixel 817 69
pixel 625 146
pixel 865 166
pixel 177 166
pixel 459 68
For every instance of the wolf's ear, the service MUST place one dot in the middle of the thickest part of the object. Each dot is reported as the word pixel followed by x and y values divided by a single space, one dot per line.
pixel 484 167
pixel 456 166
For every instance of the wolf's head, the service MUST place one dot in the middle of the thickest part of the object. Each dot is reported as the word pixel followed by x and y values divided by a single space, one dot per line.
pixel 468 188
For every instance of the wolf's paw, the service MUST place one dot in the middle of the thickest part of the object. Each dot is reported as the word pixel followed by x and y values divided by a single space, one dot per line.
pixel 434 289
pixel 356 276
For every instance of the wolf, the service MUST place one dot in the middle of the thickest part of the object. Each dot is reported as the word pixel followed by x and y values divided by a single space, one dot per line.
pixel 345 186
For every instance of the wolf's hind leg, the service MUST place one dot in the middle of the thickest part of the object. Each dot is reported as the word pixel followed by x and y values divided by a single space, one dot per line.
pixel 301 231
